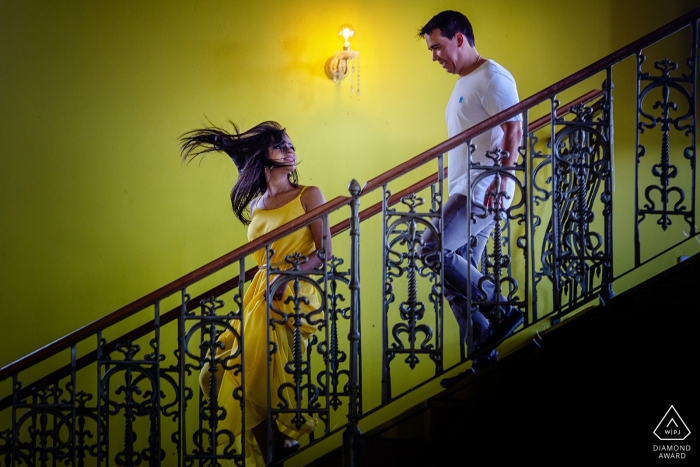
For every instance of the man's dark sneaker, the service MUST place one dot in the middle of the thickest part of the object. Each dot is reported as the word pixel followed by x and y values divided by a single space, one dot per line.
pixel 498 332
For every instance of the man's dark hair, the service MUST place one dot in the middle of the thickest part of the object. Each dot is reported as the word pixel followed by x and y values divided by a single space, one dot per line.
pixel 449 23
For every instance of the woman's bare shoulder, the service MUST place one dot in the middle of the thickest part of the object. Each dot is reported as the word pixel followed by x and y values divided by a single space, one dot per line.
pixel 312 197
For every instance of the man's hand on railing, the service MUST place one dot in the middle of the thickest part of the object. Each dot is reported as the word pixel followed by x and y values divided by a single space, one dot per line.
pixel 497 190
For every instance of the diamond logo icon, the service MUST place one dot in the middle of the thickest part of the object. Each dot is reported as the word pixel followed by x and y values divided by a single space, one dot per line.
pixel 671 427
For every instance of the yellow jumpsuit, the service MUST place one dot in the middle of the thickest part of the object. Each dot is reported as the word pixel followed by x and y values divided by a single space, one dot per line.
pixel 255 336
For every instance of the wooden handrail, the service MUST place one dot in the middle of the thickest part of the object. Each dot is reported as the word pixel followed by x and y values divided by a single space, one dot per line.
pixel 531 101
pixel 545 119
pixel 171 288
pixel 132 335
pixel 128 310
pixel 340 201
pixel 342 226
pixel 426 182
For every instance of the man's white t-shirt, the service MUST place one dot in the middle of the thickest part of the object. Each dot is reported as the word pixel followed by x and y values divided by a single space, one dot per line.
pixel 477 96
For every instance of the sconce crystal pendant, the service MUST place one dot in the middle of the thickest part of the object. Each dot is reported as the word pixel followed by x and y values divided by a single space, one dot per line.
pixel 341 62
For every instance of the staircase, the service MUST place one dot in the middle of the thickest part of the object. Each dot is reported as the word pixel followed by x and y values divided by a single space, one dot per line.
pixel 589 376
pixel 592 387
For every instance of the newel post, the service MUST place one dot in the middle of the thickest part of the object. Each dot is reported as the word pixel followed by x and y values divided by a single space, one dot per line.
pixel 352 431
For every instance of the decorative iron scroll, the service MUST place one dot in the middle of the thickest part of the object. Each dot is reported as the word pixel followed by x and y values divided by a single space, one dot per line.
pixel 498 255
pixel 51 429
pixel 576 252
pixel 540 194
pixel 134 391
pixel 335 376
pixel 666 103
pixel 7 442
pixel 203 351
pixel 410 335
pixel 138 394
pixel 307 395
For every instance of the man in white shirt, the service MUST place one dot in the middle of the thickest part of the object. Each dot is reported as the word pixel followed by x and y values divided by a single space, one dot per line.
pixel 483 89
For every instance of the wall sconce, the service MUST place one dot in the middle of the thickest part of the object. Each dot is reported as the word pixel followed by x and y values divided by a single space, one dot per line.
pixel 337 66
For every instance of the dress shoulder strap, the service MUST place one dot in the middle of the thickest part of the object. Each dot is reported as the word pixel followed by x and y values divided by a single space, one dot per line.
pixel 301 192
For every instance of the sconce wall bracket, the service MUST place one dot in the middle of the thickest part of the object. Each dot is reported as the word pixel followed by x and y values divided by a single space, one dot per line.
pixel 337 66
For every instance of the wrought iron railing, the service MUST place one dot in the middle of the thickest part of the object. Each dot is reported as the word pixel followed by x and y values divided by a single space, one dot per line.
pixel 141 386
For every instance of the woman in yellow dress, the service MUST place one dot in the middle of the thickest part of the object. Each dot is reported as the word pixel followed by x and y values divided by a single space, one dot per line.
pixel 268 191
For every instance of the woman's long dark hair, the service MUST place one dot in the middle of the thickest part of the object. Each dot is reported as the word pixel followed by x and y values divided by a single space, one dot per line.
pixel 248 150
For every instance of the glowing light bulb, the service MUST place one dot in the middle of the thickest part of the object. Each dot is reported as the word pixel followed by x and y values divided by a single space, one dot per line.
pixel 347 31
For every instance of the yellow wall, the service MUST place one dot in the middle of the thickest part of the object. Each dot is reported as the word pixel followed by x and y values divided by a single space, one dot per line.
pixel 96 208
